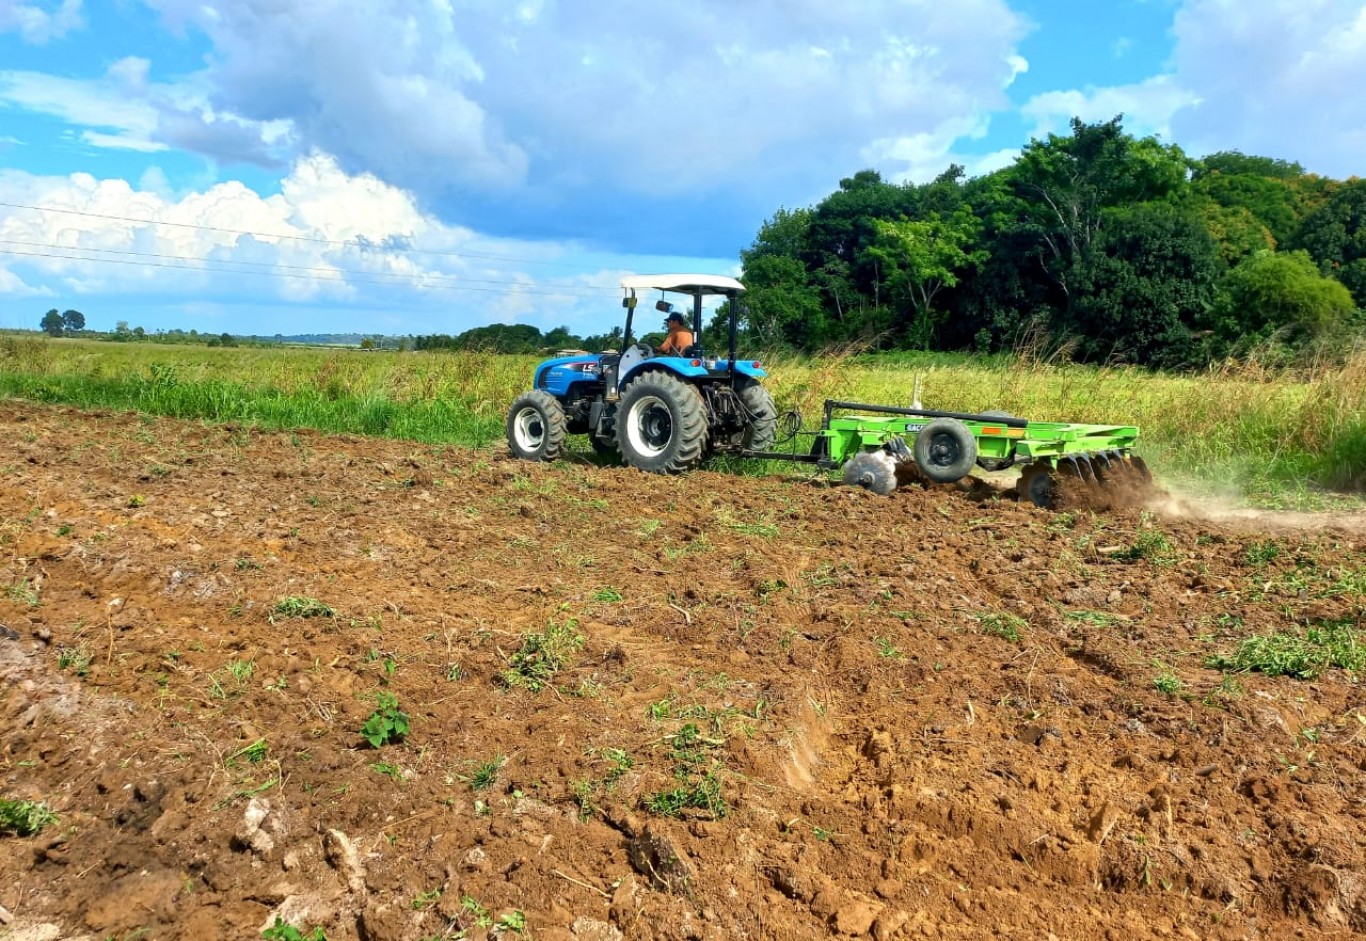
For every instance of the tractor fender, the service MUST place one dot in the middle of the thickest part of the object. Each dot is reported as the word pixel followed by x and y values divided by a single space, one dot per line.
pixel 677 365
pixel 683 367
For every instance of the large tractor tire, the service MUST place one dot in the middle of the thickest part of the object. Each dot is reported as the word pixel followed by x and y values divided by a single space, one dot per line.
pixel 945 451
pixel 536 427
pixel 762 426
pixel 661 424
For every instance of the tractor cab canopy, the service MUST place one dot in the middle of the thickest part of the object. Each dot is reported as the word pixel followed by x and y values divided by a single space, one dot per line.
pixel 695 284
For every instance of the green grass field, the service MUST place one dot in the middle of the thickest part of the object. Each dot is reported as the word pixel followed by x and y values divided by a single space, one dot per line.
pixel 1269 439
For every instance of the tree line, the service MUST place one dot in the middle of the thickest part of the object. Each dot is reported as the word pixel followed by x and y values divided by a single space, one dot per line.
pixel 1123 249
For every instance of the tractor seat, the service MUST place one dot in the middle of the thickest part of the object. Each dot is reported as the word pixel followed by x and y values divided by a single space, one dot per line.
pixel 694 350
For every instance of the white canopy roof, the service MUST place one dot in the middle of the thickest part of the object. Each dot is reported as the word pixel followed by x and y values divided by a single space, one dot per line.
pixel 684 283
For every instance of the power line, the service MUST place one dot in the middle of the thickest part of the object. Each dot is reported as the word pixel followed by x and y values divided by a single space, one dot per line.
pixel 275 268
pixel 297 238
pixel 511 287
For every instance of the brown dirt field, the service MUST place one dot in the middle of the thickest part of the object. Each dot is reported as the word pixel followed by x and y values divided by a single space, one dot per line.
pixel 928 715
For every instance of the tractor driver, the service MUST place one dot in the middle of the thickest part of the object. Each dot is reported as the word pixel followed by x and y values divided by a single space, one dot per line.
pixel 679 338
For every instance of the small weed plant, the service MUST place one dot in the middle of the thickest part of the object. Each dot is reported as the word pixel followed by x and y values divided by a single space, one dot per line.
pixel 542 655
pixel 25 818
pixel 294 606
pixel 283 931
pixel 699 786
pixel 1151 544
pixel 1000 624
pixel 1303 656
pixel 75 659
pixel 388 724
pixel 1261 553
pixel 485 774
pixel 1168 683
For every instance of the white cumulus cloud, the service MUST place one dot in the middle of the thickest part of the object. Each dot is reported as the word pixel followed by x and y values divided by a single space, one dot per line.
pixel 328 238
pixel 40 23
pixel 1279 78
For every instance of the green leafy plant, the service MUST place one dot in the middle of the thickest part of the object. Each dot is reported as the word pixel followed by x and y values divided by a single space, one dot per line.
pixel 76 659
pixel 255 753
pixel 387 724
pixel 886 649
pixel 1262 552
pixel 294 606
pixel 26 818
pixel 1005 626
pixel 283 931
pixel 1328 644
pixel 542 655
pixel 485 773
pixel 1152 544
pixel 1168 683
pixel 423 899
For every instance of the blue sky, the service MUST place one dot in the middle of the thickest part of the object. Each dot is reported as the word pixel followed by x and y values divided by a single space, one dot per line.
pixel 419 166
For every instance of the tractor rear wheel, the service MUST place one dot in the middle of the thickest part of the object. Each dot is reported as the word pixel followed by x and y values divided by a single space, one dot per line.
pixel 536 427
pixel 762 426
pixel 945 450
pixel 661 424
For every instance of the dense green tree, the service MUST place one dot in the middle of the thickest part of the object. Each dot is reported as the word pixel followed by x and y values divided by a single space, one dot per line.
pixel 920 258
pixel 1065 184
pixel 1143 288
pixel 1281 297
pixel 51 323
pixel 73 320
pixel 1236 230
pixel 1335 237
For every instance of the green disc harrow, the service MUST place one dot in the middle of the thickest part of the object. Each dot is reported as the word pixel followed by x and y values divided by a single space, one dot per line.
pixel 870 441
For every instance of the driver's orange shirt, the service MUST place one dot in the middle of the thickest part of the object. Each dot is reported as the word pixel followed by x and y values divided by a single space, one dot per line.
pixel 678 340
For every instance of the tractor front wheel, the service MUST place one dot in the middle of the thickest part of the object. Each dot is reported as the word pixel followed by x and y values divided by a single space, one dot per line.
pixel 536 427
pixel 945 450
pixel 661 424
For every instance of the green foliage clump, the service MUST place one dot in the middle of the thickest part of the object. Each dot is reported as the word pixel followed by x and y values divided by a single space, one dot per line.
pixel 542 655
pixel 26 818
pixel 1303 656
pixel 283 931
pixel 294 606
pixel 387 724
pixel 1006 626
pixel 1280 298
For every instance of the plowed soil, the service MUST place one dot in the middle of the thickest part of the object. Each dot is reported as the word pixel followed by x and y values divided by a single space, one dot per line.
pixel 783 708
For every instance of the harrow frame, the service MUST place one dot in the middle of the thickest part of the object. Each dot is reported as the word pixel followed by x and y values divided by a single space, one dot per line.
pixel 869 445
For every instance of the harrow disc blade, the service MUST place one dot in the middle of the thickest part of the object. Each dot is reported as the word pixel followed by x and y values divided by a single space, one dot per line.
pixel 1141 466
pixel 1086 471
pixel 875 471
pixel 1038 485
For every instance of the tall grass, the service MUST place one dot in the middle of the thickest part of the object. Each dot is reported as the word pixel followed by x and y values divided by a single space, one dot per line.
pixel 1245 429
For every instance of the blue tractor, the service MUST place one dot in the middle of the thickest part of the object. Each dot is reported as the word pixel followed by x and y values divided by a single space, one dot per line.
pixel 661 413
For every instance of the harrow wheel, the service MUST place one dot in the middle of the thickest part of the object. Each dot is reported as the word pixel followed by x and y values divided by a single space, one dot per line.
pixel 1038 485
pixel 945 451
